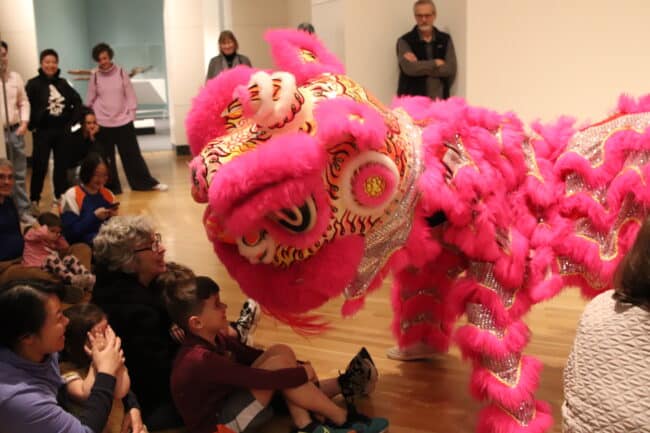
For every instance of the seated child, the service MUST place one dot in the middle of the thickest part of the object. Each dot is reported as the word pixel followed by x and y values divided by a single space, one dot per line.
pixel 87 328
pixel 242 329
pixel 47 249
pixel 220 384
pixel 85 207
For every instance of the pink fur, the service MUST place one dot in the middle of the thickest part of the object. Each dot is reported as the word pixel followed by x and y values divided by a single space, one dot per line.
pixel 485 386
pixel 493 419
pixel 285 47
pixel 204 122
pixel 311 281
pixel 627 104
pixel 280 159
pixel 342 119
pixel 502 191
pixel 474 341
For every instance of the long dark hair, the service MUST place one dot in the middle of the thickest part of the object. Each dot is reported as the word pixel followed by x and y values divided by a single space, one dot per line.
pixel 89 165
pixel 82 319
pixel 22 309
pixel 632 279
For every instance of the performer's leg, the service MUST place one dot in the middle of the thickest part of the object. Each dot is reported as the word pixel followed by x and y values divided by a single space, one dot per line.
pixel 494 340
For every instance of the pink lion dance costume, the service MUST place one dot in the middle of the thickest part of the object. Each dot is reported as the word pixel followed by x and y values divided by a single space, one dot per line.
pixel 315 189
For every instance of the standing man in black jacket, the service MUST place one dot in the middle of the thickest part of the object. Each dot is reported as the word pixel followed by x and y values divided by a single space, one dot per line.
pixel 426 56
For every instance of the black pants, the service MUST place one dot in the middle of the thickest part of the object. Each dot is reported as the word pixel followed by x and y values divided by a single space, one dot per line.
pixel 135 168
pixel 46 140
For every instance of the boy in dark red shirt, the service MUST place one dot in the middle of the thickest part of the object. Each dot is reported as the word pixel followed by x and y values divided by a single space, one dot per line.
pixel 218 381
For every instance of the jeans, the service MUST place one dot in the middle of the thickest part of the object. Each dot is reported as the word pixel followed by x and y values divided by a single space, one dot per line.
pixel 16 147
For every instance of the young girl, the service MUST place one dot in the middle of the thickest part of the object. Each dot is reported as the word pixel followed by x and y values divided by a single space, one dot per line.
pixel 88 327
pixel 85 207
pixel 46 248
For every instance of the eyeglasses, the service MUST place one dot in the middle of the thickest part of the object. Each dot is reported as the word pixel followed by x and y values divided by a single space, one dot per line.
pixel 423 16
pixel 156 245
pixel 7 176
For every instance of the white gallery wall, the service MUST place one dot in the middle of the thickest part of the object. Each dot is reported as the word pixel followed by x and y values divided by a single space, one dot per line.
pixel 371 29
pixel 18 28
pixel 539 58
pixel 543 58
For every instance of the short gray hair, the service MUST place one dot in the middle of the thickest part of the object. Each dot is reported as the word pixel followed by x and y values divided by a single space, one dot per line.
pixel 4 162
pixel 425 2
pixel 116 241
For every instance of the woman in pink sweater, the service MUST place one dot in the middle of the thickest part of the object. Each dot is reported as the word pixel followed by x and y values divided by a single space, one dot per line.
pixel 111 96
pixel 47 249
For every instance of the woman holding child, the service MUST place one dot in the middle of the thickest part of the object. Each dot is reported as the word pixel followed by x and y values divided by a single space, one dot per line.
pixel 32 391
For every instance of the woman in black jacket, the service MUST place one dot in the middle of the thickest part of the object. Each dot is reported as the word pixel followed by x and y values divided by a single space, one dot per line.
pixel 55 107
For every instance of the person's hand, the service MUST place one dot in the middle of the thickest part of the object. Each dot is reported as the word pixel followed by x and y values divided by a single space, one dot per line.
pixel 177 333
pixel 102 213
pixel 311 373
pixel 410 57
pixel 22 129
pixel 132 422
pixel 439 62
pixel 98 342
pixel 114 211
pixel 110 358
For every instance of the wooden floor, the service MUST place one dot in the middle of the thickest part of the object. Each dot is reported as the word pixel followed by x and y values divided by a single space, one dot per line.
pixel 416 397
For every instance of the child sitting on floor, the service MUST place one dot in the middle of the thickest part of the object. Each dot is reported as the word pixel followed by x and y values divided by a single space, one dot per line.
pixel 87 328
pixel 242 329
pixel 46 248
pixel 219 383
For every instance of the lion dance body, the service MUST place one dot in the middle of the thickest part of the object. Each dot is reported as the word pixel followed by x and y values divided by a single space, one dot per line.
pixel 315 189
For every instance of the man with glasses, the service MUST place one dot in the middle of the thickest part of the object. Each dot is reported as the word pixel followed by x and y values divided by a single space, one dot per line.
pixel 10 236
pixel 426 56
pixel 14 117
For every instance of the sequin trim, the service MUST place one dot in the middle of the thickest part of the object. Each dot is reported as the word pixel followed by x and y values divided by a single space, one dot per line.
pixel 384 240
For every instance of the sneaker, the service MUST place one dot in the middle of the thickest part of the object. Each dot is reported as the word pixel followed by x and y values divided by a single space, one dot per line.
pixel 315 427
pixel 360 376
pixel 412 353
pixel 55 207
pixel 34 209
pixel 83 281
pixel 27 219
pixel 249 316
pixel 361 423
pixel 162 187
pixel 89 282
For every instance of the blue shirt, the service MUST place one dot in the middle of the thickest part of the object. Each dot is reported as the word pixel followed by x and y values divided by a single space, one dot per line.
pixel 80 224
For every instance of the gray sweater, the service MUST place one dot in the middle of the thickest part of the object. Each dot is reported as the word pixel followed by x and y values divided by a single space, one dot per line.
pixel 607 376
pixel 219 63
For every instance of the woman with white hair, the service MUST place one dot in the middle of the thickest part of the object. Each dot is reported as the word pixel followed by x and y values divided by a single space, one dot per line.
pixel 129 255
